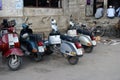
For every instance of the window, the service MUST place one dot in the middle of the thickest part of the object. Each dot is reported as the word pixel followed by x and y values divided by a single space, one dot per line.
pixel 0 4
pixel 43 3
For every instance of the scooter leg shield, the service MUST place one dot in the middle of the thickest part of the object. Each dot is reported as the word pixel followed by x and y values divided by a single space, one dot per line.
pixel 67 48
pixel 13 51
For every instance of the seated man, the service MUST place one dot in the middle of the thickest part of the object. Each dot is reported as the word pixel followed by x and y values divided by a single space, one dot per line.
pixel 110 12
pixel 99 13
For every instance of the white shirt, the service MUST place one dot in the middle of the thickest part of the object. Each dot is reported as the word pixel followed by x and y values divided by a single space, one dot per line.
pixel 110 12
pixel 99 13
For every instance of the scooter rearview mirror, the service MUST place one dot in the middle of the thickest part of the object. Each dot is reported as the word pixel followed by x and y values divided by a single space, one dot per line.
pixel 29 23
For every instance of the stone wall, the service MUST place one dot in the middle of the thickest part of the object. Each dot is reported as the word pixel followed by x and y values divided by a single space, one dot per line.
pixel 11 8
pixel 40 17
pixel 77 9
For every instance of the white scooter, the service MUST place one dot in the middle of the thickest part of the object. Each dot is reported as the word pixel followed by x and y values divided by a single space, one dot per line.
pixel 87 42
pixel 68 46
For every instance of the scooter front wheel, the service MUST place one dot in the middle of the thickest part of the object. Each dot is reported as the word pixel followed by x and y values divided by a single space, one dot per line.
pixel 14 62
pixel 37 57
pixel 48 51
pixel 88 49
pixel 73 60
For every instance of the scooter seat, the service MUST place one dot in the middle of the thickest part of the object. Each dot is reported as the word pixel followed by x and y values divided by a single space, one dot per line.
pixel 68 38
pixel 36 37
pixel 83 32
pixel 54 33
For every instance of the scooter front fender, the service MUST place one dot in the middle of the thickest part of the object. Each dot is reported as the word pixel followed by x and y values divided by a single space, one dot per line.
pixel 85 40
pixel 13 51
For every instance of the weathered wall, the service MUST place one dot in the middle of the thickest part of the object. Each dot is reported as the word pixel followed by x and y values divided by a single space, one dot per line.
pixel 11 8
pixel 40 17
pixel 77 8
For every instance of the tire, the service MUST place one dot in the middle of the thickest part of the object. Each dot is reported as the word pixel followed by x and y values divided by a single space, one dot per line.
pixel 73 60
pixel 88 49
pixel 14 65
pixel 48 51
pixel 37 57
pixel 98 31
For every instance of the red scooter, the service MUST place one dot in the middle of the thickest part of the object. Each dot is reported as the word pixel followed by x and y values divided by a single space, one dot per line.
pixel 10 47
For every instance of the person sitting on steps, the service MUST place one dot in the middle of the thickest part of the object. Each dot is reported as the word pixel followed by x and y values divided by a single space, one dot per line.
pixel 111 12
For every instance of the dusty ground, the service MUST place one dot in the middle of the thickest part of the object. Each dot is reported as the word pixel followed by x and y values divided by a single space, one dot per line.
pixel 102 64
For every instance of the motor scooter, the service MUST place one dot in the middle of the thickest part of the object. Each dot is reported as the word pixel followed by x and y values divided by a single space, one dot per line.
pixel 31 44
pixel 86 39
pixel 68 46
pixel 10 46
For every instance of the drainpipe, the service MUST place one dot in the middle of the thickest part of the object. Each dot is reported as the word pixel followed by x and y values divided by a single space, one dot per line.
pixel 105 8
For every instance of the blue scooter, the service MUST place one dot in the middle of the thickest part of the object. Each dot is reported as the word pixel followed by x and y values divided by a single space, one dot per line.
pixel 31 44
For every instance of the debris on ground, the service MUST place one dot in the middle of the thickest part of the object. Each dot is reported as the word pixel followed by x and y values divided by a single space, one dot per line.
pixel 98 38
pixel 110 41
pixel 107 41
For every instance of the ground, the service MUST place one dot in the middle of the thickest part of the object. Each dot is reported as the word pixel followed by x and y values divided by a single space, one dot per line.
pixel 102 64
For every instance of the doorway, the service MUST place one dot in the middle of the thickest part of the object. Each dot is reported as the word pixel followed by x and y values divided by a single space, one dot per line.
pixel 97 3
pixel 114 3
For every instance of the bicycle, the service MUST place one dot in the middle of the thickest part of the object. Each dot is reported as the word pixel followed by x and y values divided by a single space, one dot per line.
pixel 108 30
pixel 114 30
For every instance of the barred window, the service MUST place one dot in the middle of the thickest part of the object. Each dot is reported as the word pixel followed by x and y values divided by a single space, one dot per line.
pixel 43 3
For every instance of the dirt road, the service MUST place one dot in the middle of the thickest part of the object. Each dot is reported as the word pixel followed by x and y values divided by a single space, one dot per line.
pixel 102 64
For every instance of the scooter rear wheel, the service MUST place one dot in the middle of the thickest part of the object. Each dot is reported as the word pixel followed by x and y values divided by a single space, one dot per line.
pixel 14 62
pixel 48 50
pixel 37 57
pixel 73 60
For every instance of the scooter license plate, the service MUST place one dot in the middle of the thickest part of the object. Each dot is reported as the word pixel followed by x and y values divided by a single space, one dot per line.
pixel 80 52
pixel 94 43
pixel 73 53
pixel 41 49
